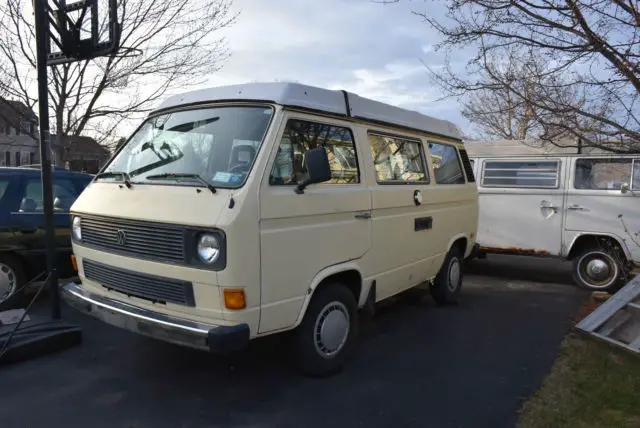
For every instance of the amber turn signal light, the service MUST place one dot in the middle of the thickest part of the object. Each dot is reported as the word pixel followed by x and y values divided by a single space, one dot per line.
pixel 234 299
pixel 74 263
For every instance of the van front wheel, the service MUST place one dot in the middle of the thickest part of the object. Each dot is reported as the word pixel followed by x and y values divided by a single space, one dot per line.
pixel 448 283
pixel 597 269
pixel 325 338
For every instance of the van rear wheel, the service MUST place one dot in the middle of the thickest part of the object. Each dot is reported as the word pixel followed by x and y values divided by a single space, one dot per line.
pixel 598 269
pixel 326 336
pixel 446 287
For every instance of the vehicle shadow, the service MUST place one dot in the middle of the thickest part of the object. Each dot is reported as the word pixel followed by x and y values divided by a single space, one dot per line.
pixel 526 268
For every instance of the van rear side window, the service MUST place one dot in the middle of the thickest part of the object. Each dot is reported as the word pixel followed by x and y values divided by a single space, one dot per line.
pixel 300 136
pixel 446 164
pixel 397 160
pixel 521 174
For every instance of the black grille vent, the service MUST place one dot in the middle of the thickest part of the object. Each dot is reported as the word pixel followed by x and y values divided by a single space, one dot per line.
pixel 468 168
pixel 154 288
pixel 135 238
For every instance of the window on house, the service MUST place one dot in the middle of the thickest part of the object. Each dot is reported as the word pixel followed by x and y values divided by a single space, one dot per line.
pixel 398 160
pixel 527 174
pixel 7 158
pixel 17 158
pixel 446 164
pixel 602 173
pixel 300 136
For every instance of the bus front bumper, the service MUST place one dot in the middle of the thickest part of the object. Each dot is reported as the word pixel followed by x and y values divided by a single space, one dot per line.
pixel 208 337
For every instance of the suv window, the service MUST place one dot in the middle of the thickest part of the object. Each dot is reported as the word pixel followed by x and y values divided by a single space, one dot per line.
pixel 398 160
pixel 4 185
pixel 300 136
pixel 64 194
pixel 521 174
pixel 446 164
pixel 602 173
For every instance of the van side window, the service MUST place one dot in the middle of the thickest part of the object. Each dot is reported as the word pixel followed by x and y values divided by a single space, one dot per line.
pixel 446 164
pixel 300 136
pixel 602 173
pixel 521 174
pixel 397 160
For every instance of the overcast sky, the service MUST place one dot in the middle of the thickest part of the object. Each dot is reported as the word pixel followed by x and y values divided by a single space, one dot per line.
pixel 371 49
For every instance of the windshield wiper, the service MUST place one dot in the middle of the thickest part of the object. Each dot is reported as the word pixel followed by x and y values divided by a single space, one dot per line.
pixel 125 177
pixel 178 176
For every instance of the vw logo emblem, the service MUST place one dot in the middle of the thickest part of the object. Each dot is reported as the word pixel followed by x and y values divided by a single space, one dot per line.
pixel 121 237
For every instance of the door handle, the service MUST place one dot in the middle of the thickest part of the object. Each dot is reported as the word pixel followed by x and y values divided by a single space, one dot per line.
pixel 545 204
pixel 364 215
pixel 576 208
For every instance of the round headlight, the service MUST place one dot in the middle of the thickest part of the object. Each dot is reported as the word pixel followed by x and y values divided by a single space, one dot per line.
pixel 208 248
pixel 76 229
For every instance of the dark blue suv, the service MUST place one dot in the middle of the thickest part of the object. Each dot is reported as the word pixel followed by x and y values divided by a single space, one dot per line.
pixel 22 243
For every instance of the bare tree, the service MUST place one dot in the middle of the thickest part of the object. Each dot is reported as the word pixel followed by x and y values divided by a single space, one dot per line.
pixel 590 83
pixel 493 107
pixel 166 45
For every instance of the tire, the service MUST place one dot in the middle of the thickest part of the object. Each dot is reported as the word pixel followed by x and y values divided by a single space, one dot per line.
pixel 599 269
pixel 317 352
pixel 12 278
pixel 447 285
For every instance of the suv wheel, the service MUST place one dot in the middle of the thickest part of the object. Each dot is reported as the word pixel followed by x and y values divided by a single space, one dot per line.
pixel 325 337
pixel 11 279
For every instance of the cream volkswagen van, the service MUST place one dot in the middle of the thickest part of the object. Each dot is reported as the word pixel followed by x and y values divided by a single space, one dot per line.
pixel 238 212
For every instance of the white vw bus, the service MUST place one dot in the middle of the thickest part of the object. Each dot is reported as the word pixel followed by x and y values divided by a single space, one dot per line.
pixel 584 208
pixel 237 212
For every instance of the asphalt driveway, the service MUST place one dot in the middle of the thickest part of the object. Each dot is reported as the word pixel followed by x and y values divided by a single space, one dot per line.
pixel 417 366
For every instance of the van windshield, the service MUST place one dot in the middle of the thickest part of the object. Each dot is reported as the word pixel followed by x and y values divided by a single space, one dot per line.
pixel 217 145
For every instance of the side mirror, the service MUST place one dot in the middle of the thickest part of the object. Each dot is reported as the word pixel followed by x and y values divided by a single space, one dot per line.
pixel 316 162
pixel 624 188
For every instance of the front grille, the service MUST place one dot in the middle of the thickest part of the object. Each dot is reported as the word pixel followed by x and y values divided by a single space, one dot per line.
pixel 154 288
pixel 135 238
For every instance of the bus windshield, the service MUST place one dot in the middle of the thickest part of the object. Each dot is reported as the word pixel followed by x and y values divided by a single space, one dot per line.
pixel 215 144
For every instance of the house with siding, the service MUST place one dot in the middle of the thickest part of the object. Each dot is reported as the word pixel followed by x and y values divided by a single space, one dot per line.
pixel 18 134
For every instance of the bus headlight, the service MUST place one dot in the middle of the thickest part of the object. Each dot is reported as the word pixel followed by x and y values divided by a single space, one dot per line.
pixel 76 229
pixel 208 248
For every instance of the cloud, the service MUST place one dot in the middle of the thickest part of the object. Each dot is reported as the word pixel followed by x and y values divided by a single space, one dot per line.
pixel 371 49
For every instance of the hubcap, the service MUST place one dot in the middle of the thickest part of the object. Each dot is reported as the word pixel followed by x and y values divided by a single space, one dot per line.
pixel 8 282
pixel 331 329
pixel 454 274
pixel 598 270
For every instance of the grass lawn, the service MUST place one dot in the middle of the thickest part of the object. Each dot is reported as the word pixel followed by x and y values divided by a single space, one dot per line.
pixel 591 384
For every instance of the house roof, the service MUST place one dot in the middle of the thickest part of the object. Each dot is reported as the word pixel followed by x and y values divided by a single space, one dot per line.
pixel 12 110
pixel 325 100
pixel 79 144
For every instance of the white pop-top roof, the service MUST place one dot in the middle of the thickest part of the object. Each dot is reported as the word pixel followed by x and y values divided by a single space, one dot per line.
pixel 314 98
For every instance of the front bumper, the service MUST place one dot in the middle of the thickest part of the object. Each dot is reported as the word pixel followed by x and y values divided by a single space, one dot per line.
pixel 208 337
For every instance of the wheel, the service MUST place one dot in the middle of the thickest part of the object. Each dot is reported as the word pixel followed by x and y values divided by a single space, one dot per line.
pixel 325 337
pixel 12 277
pixel 598 269
pixel 446 287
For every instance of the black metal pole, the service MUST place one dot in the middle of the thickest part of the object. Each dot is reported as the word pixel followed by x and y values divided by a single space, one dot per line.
pixel 42 30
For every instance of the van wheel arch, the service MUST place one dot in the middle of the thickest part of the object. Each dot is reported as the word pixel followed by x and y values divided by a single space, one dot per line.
pixel 351 278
